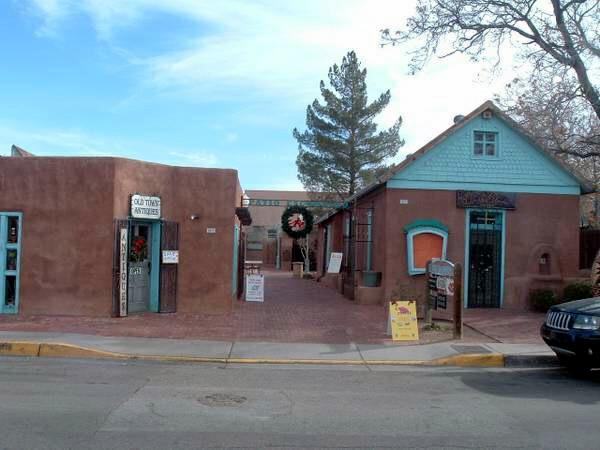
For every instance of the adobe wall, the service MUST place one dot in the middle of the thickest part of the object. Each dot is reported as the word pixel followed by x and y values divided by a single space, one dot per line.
pixel 540 224
pixel 67 232
pixel 205 269
pixel 69 205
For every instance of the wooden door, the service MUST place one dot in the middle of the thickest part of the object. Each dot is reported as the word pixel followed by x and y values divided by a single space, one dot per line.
pixel 168 272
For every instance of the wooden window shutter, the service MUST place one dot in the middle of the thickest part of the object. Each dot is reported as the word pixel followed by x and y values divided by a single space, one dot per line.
pixel 168 272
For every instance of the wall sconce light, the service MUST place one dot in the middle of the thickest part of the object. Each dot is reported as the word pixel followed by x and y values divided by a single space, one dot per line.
pixel 194 217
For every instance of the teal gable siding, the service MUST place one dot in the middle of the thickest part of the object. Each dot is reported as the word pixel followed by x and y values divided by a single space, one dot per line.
pixel 518 166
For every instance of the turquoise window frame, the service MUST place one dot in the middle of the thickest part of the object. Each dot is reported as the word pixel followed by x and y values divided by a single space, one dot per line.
pixel 496 154
pixel 234 270
pixel 422 226
pixel 468 246
pixel 4 247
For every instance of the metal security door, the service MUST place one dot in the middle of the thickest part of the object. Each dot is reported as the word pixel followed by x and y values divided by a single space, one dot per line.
pixel 485 259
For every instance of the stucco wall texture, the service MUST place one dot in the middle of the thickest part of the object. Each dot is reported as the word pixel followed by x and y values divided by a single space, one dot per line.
pixel 540 224
pixel 69 205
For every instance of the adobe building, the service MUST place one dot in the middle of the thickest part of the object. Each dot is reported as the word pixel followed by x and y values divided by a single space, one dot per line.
pixel 264 239
pixel 102 236
pixel 482 194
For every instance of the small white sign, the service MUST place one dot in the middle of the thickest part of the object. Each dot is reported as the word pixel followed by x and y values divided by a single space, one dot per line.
pixel 170 256
pixel 211 231
pixel 335 263
pixel 255 287
pixel 145 207
pixel 403 201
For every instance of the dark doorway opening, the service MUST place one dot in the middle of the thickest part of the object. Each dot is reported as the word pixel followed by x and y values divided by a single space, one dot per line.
pixel 485 259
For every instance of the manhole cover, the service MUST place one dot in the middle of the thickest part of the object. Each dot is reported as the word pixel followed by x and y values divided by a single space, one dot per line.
pixel 470 349
pixel 222 400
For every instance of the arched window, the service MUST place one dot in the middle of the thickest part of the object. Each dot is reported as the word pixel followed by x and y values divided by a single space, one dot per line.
pixel 425 239
pixel 544 263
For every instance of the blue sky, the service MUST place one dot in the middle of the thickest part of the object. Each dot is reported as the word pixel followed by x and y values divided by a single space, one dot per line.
pixel 207 83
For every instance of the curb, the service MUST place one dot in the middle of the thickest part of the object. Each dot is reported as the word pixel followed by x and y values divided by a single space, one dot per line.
pixel 64 350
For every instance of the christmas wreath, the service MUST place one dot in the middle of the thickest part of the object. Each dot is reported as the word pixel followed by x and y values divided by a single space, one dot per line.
pixel 297 222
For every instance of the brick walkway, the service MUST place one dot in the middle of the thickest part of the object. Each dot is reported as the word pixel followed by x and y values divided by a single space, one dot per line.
pixel 505 325
pixel 294 311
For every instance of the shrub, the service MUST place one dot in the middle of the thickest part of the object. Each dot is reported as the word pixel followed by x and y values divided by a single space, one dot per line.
pixel 577 291
pixel 542 299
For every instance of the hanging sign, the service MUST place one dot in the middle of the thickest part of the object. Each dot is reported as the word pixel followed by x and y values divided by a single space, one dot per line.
pixel 255 287
pixel 123 273
pixel 145 207
pixel 170 256
pixel 335 263
pixel 403 320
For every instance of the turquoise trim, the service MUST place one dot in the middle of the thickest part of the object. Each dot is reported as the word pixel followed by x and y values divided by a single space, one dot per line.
pixel 4 246
pixel 412 270
pixel 155 269
pixel 430 223
pixel 467 247
pixel 494 187
pixel 234 278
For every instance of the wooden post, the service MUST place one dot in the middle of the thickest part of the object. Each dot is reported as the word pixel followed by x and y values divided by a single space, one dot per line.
pixel 458 302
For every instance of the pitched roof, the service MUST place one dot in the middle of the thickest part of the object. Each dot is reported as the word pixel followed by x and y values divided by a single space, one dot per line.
pixel 20 152
pixel 586 187
pixel 489 105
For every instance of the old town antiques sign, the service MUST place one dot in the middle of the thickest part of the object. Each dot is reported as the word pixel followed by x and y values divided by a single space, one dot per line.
pixel 145 207
pixel 485 200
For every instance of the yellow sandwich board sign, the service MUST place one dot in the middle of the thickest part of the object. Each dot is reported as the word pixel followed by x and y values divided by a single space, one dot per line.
pixel 403 320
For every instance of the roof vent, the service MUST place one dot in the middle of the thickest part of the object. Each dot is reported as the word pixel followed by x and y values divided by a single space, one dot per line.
pixel 487 114
pixel 458 118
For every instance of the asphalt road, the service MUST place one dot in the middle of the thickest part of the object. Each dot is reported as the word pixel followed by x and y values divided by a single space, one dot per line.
pixel 50 403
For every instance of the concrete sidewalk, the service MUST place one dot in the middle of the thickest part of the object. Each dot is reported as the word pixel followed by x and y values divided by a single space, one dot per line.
pixel 228 352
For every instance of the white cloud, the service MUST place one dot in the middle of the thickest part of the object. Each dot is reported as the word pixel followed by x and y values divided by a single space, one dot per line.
pixel 271 55
pixel 201 159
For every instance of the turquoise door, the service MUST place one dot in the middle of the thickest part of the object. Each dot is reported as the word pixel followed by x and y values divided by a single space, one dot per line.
pixel 10 261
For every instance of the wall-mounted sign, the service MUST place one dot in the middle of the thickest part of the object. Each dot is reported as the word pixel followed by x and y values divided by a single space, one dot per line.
pixel 123 273
pixel 145 207
pixel 287 203
pixel 403 321
pixel 335 263
pixel 211 231
pixel 487 200
pixel 170 256
pixel 255 287
pixel 272 233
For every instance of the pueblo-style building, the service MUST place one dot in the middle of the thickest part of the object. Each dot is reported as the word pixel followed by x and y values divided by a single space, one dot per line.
pixel 103 236
pixel 482 194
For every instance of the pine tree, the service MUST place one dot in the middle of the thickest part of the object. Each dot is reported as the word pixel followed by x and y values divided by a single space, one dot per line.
pixel 341 151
